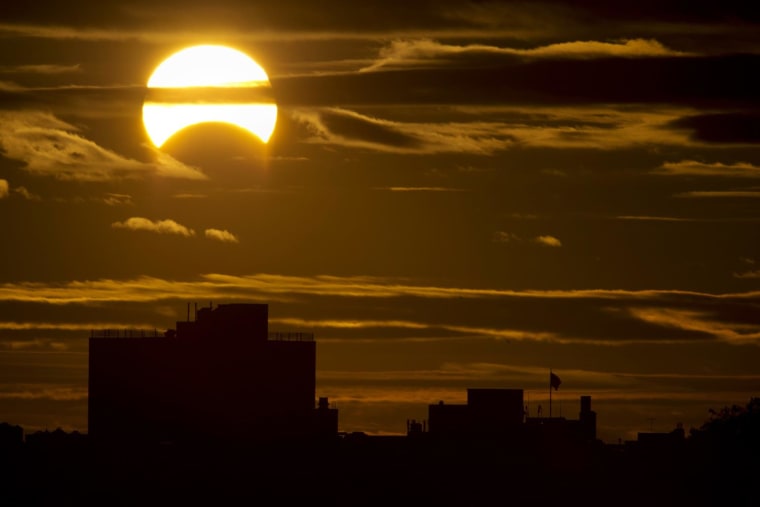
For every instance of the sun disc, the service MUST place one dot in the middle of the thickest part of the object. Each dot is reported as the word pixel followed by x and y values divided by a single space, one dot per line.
pixel 208 84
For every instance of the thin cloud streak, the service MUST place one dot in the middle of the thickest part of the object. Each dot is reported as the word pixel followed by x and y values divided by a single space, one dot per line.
pixel 710 194
pixel 53 393
pixel 686 313
pixel 736 334
pixel 696 168
pixel 425 52
pixel 597 129
pixel 70 326
pixel 235 287
pixel 40 69
pixel 421 189
pixel 506 334
pixel 748 275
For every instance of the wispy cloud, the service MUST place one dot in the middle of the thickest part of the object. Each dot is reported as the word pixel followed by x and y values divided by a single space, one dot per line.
pixel 217 286
pixel 4 189
pixel 748 275
pixel 40 69
pixel 420 189
pixel 69 326
pixel 696 168
pixel 496 333
pixel 752 194
pixel 167 226
pixel 507 237
pixel 112 199
pixel 221 235
pixel 54 393
pixel 49 146
pixel 26 194
pixel 603 318
pixel 491 131
pixel 425 52
pixel 648 218
pixel 189 196
pixel 701 322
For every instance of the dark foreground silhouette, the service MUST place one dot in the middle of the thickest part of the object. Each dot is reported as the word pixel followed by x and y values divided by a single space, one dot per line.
pixel 718 464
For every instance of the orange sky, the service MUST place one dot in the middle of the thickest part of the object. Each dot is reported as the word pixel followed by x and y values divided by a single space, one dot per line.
pixel 456 194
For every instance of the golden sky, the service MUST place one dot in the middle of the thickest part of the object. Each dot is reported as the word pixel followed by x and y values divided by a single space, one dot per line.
pixel 456 194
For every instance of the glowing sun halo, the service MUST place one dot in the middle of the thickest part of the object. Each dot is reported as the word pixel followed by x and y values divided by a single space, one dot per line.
pixel 208 84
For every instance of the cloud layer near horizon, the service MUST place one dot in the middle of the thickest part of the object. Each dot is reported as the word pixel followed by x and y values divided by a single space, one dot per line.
pixel 602 317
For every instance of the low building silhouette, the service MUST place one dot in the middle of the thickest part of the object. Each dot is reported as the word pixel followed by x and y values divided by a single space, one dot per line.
pixel 500 413
pixel 221 375
pixel 488 411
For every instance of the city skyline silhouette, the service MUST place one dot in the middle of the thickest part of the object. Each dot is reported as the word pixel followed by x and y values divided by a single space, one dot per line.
pixel 168 422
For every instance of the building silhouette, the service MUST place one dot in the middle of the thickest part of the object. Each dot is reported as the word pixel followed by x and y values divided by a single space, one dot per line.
pixel 488 411
pixel 221 375
pixel 500 414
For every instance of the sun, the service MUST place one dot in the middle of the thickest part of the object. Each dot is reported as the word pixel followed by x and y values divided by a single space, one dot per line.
pixel 208 83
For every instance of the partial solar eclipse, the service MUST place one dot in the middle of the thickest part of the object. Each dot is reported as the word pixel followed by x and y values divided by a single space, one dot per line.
pixel 204 84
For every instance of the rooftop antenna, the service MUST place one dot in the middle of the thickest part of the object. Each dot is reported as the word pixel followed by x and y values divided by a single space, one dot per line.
pixel 196 311
pixel 188 311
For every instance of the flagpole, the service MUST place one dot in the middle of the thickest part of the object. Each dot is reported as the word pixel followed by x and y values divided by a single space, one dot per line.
pixel 550 393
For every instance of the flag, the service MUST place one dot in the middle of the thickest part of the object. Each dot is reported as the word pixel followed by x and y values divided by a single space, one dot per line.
pixel 554 381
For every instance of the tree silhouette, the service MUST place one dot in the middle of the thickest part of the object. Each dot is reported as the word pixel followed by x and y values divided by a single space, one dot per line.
pixel 733 430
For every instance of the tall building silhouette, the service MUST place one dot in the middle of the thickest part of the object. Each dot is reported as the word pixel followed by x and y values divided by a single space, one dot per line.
pixel 221 375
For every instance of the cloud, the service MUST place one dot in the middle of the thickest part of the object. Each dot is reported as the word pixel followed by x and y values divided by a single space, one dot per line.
pixel 751 275
pixel 701 322
pixel 504 237
pixel 40 69
pixel 49 146
pixel 397 137
pixel 188 195
pixel 594 317
pixel 548 241
pixel 54 393
pixel 112 199
pixel 507 237
pixel 491 129
pixel 646 218
pixel 221 235
pixel 752 194
pixel 424 52
pixel 696 168
pixel 4 189
pixel 69 326
pixel 159 226
pixel 217 286
pixel 420 189
pixel 26 194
